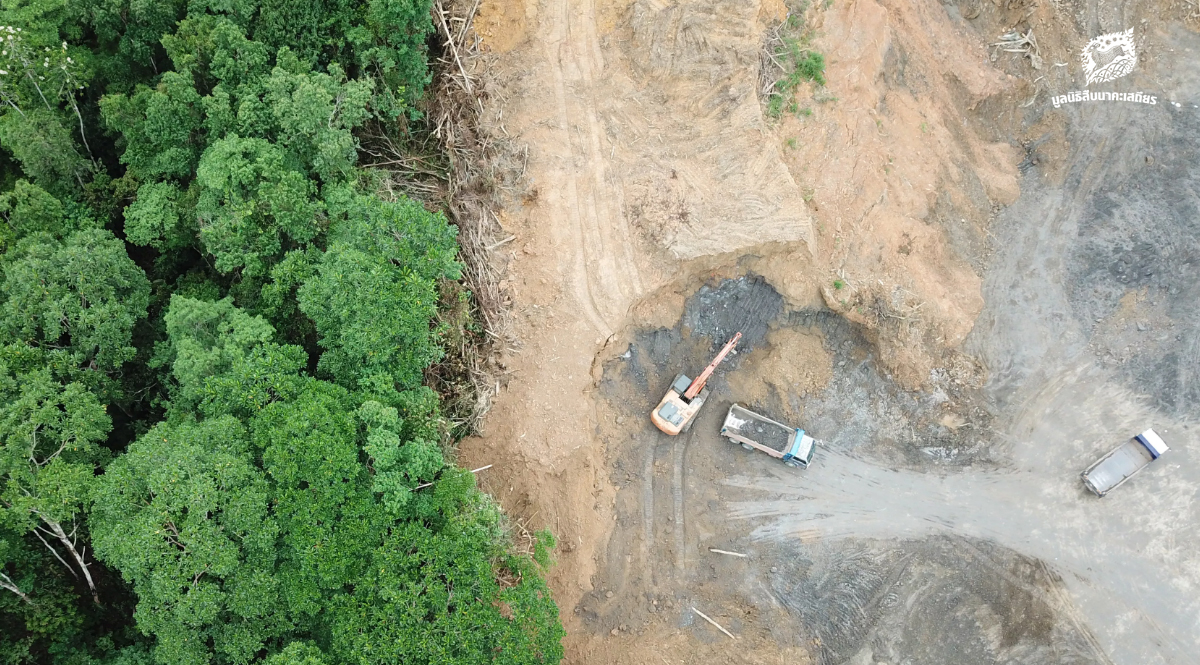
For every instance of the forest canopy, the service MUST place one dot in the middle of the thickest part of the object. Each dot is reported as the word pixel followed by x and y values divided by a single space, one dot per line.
pixel 216 441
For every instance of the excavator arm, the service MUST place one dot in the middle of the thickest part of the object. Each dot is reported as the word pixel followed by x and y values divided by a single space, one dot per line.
pixel 698 384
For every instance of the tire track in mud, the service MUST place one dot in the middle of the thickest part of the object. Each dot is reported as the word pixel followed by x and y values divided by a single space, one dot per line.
pixel 1053 596
pixel 679 454
pixel 651 558
pixel 604 275
pixel 648 511
pixel 839 598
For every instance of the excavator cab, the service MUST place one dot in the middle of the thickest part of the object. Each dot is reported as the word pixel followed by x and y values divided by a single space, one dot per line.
pixel 678 408
pixel 674 414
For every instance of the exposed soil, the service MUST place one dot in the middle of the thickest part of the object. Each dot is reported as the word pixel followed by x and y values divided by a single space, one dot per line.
pixel 964 293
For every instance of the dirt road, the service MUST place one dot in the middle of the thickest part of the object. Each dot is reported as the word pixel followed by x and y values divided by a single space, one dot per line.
pixel 961 353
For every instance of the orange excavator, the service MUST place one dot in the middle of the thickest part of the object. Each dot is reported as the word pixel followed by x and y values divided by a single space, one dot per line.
pixel 674 414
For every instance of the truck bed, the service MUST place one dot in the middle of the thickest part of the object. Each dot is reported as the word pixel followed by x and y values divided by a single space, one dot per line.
pixel 750 425
pixel 1124 461
pixel 1119 465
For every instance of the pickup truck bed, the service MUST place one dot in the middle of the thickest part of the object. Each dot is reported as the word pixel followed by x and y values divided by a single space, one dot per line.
pixel 1123 462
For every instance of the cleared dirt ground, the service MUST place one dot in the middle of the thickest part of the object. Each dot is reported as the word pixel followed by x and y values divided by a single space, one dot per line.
pixel 966 294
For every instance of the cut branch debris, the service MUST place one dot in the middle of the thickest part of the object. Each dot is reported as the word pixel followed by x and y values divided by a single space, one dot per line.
pixel 452 42
pixel 467 165
pixel 1025 44
pixel 737 554
pixel 719 626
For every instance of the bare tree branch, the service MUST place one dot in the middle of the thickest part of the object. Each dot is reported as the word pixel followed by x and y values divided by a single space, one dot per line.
pixel 55 553
pixel 7 583
pixel 58 532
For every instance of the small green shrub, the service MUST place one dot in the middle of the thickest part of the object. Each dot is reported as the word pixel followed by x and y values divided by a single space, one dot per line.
pixel 801 64
pixel 775 105
pixel 812 67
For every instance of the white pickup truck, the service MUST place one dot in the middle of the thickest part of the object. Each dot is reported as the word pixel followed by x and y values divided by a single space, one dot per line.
pixel 1125 460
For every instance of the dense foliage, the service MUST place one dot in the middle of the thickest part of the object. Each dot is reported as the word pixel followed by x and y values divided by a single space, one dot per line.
pixel 215 441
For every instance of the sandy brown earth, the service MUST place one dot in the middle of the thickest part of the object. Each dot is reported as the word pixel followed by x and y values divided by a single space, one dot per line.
pixel 657 191
pixel 652 169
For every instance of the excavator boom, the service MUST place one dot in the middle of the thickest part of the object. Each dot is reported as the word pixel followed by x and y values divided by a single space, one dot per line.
pixel 698 385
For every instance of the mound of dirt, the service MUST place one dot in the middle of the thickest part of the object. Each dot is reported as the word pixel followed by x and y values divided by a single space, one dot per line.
pixel 795 364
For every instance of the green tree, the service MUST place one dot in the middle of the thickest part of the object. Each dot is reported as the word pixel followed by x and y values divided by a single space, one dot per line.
pixel 29 209
pixel 251 202
pixel 83 295
pixel 374 292
pixel 451 594
pixel 207 339
pixel 41 141
pixel 37 609
pixel 383 39
pixel 312 115
pixel 322 497
pixel 298 653
pixel 16 569
pixel 161 128
pixel 390 45
pixel 262 145
pixel 128 35
pixel 399 465
pixel 39 86
pixel 49 453
pixel 160 218
pixel 185 515
pixel 222 361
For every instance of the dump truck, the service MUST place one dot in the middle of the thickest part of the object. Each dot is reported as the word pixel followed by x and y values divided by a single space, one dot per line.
pixel 1123 462
pixel 758 432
